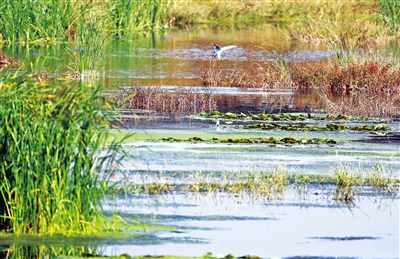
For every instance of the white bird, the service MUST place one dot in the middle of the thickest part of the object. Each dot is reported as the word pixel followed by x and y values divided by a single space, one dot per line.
pixel 218 50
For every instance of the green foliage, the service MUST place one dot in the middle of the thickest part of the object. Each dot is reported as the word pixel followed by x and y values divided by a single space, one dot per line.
pixel 127 16
pixel 55 21
pixel 87 54
pixel 50 143
pixel 389 11
pixel 40 21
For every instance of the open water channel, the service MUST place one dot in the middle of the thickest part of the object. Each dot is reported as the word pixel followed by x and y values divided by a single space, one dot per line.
pixel 301 224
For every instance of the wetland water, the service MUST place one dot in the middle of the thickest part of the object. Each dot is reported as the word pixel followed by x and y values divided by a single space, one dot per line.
pixel 311 223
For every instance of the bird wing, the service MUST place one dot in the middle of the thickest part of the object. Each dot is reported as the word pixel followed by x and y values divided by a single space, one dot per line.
pixel 228 47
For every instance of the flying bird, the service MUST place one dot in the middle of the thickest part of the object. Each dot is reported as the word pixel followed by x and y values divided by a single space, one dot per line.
pixel 218 50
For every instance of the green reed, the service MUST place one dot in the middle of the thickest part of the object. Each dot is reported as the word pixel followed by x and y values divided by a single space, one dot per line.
pixel 50 143
pixel 389 11
pixel 41 22
pixel 127 17
pixel 56 21
pixel 86 55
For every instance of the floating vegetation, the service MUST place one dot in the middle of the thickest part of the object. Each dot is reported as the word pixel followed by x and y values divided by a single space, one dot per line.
pixel 278 117
pixel 269 140
pixel 327 127
pixel 296 117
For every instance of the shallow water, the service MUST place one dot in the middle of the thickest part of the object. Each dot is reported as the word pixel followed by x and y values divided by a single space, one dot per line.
pixel 298 225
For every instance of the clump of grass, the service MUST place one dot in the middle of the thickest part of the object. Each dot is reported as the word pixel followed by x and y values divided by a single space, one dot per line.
pixel 341 34
pixel 129 16
pixel 266 76
pixel 357 85
pixel 87 54
pixel 157 99
pixel 389 13
pixel 364 85
pixel 50 143
pixel 348 183
pixel 381 178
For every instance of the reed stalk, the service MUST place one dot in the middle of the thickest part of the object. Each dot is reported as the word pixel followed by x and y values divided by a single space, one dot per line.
pixel 50 143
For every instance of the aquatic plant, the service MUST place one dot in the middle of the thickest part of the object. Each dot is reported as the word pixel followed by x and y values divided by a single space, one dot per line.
pixel 175 101
pixel 264 140
pixel 389 12
pixel 348 183
pixel 343 184
pixel 280 117
pixel 252 12
pixel 352 84
pixel 126 17
pixel 50 143
pixel 50 22
pixel 86 55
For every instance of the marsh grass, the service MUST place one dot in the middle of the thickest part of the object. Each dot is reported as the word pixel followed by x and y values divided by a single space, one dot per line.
pixel 51 138
pixel 241 12
pixel 87 54
pixel 49 22
pixel 364 84
pixel 344 184
pixel 359 85
pixel 177 101
pixel 129 16
pixel 341 34
pixel 389 13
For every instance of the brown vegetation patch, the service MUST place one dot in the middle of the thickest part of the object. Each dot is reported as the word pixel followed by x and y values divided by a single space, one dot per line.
pixel 6 61
pixel 177 100
pixel 346 84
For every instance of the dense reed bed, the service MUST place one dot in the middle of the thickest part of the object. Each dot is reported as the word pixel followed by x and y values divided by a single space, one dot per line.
pixel 46 22
pixel 51 138
pixel 353 84
pixel 176 101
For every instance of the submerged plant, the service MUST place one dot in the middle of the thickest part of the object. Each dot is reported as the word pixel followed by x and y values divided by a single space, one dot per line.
pixel 50 143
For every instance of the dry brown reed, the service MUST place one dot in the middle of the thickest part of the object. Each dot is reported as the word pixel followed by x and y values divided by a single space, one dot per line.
pixel 358 86
pixel 178 100
pixel 267 76
pixel 361 85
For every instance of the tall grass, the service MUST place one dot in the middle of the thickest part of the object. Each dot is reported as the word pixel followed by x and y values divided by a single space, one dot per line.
pixel 250 12
pixel 361 85
pixel 389 11
pixel 86 55
pixel 55 21
pixel 50 143
pixel 128 16
pixel 156 99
